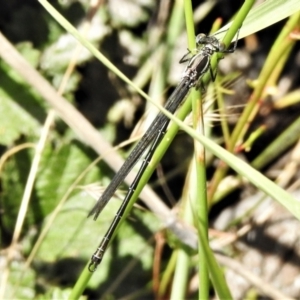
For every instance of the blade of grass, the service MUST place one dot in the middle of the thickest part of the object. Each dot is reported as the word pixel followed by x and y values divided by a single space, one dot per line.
pixel 282 43
pixel 181 272
pixel 264 15
pixel 126 80
pixel 197 196
pixel 287 138
pixel 216 273
pixel 64 23
pixel 173 129
pixel 256 178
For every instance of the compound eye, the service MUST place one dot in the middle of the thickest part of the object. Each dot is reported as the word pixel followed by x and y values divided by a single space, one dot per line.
pixel 200 38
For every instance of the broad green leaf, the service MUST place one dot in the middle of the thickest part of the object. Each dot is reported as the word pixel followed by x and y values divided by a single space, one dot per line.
pixel 60 166
pixel 21 112
pixel 80 237
pixel 20 287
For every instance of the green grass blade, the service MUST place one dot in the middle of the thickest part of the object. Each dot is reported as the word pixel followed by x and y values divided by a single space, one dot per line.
pixel 265 15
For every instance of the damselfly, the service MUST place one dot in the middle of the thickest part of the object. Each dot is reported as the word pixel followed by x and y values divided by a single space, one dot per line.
pixel 198 65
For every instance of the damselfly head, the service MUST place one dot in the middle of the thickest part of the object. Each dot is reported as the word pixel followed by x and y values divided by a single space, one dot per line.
pixel 201 39
pixel 209 41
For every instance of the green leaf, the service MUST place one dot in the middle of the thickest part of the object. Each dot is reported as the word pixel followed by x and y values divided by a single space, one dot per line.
pixel 20 288
pixel 14 177
pixel 30 54
pixel 80 237
pixel 20 108
pixel 59 168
